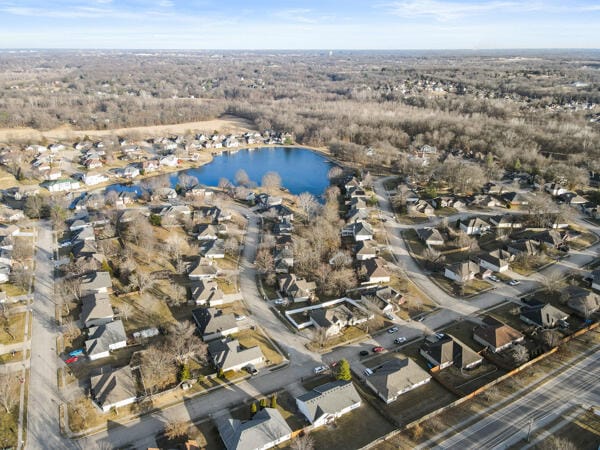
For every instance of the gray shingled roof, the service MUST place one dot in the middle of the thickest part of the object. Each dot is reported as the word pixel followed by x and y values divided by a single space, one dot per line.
pixel 113 385
pixel 266 427
pixel 227 354
pixel 396 376
pixel 329 398
pixel 99 338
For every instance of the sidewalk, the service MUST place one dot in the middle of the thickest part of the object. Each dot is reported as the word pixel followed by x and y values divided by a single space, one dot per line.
pixel 19 346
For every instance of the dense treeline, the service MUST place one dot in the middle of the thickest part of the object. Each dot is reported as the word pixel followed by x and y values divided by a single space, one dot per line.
pixel 517 107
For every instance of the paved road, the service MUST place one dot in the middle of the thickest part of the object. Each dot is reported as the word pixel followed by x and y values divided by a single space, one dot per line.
pixel 509 425
pixel 42 410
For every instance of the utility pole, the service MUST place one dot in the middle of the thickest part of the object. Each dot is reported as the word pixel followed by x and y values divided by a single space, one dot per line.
pixel 529 431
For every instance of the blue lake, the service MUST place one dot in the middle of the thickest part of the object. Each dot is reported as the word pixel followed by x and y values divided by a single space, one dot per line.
pixel 300 169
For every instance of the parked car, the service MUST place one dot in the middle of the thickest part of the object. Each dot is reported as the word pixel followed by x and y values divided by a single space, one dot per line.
pixel 368 372
pixel 64 244
pixel 364 353
pixel 72 359
pixel 238 318
pixel 493 278
pixel 281 301
pixel 399 340
pixel 389 316
pixel 77 352
pixel 319 369
pixel 514 282
pixel 378 349
pixel 392 330
pixel 251 369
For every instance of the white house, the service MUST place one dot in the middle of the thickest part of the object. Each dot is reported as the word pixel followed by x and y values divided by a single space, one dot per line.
pixel 105 338
pixel 496 261
pixel 131 172
pixel 113 388
pixel 169 161
pixel 475 226
pixel 91 179
pixel 329 401
pixel 461 272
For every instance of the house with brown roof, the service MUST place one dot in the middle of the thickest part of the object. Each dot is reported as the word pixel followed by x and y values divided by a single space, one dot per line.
pixel 496 335
pixel 298 289
pixel 375 271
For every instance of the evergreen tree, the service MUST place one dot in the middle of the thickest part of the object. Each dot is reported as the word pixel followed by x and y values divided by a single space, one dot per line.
pixel 343 371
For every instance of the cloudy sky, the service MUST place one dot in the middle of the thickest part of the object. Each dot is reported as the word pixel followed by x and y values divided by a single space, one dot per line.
pixel 294 24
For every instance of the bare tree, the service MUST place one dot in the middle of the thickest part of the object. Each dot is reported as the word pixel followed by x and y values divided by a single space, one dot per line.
pixel 308 203
pixel 179 294
pixel 550 338
pixel 9 392
pixel 186 181
pixel 241 178
pixel 557 443
pixel 264 260
pixel 335 173
pixel 519 354
pixel 303 442
pixel 176 428
pixel 126 310
pixel 552 282
pixel 184 343
pixel 271 181
pixel 232 245
pixel 142 280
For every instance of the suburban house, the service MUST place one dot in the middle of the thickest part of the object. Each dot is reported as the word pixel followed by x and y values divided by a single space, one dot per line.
pixel 130 172
pixel 213 324
pixel 375 271
pixel 207 292
pixel 105 338
pixel 366 250
pixel 384 299
pixel 334 320
pixel 113 388
pixel 542 315
pixel 444 351
pixel 420 207
pixel 515 198
pixel 95 282
pixel 205 269
pixel 329 401
pixel 265 430
pixel 360 231
pixel 298 289
pixel 555 189
pixel 284 259
pixel 395 377
pixel 474 225
pixel 169 161
pixel 96 310
pixel 523 247
pixel 282 213
pixel 496 261
pixel 90 179
pixel 496 335
pixel 430 236
pixel 356 215
pixel 62 185
pixel 506 221
pixel 213 249
pixel 552 238
pixel 283 228
pixel 164 193
pixel 207 232
pixel 229 355
pixel 461 272
pixel 582 301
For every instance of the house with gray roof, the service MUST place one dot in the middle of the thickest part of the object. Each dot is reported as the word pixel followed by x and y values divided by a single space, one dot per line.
pixel 205 269
pixel 265 430
pixel 583 301
pixel 446 350
pixel 430 236
pixel 474 226
pixel 213 324
pixel 329 401
pixel 542 315
pixel 96 310
pixel 95 282
pixel 526 247
pixel 113 388
pixel 207 292
pixel 461 272
pixel 230 355
pixel 395 377
pixel 213 249
pixel 496 260
pixel 105 338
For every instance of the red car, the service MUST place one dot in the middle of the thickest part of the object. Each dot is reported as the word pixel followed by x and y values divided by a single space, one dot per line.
pixel 72 359
pixel 378 349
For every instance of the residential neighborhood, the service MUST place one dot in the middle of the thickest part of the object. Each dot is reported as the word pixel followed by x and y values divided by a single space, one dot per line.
pixel 283 316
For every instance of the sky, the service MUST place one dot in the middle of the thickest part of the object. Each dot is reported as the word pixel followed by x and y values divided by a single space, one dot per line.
pixel 293 24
